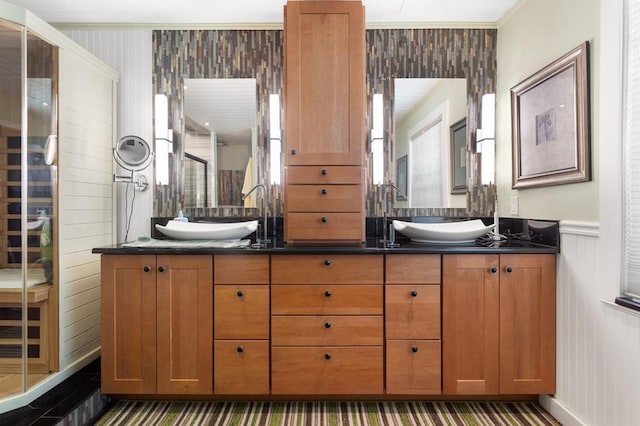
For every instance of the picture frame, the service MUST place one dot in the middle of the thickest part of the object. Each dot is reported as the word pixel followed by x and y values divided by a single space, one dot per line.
pixel 550 123
pixel 458 157
pixel 401 178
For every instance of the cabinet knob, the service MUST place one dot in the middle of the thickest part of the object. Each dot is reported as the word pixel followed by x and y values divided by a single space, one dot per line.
pixel 324 172
pixel 414 349
pixel 324 191
pixel 327 356
pixel 493 269
pixel 240 293
pixel 327 293
pixel 509 269
pixel 147 268
pixel 327 262
pixel 327 324
pixel 162 269
pixel 240 349
pixel 293 152
pixel 414 293
pixel 324 219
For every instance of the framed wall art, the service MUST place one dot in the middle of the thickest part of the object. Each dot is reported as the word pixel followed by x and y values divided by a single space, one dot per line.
pixel 458 157
pixel 401 178
pixel 550 123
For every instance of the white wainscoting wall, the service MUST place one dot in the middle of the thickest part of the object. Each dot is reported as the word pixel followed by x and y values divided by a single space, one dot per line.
pixel 130 52
pixel 86 117
pixel 598 343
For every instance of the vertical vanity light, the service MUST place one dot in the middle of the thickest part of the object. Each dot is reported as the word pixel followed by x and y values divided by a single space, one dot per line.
pixel 485 139
pixel 377 139
pixel 163 138
pixel 275 141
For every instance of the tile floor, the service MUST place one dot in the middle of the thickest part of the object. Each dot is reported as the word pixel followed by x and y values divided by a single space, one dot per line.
pixel 76 401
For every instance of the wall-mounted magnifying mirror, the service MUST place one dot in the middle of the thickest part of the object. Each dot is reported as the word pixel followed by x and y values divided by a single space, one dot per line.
pixel 133 154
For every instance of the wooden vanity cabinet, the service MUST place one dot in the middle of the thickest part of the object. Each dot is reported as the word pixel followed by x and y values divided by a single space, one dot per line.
pixel 156 324
pixel 412 324
pixel 498 324
pixel 327 324
pixel 324 128
pixel 241 324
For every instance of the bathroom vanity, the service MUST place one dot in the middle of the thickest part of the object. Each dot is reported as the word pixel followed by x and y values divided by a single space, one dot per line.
pixel 309 322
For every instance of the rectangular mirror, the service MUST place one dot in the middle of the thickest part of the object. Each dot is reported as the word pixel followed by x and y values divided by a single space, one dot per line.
pixel 424 111
pixel 220 141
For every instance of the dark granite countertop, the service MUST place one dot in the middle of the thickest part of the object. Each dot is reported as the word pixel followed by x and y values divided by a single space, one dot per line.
pixel 521 236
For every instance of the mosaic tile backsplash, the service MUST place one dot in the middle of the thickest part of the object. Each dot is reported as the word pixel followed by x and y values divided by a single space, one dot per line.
pixel 391 53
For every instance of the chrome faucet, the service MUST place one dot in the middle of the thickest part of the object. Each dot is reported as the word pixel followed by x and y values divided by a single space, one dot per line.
pixel 261 242
pixel 388 239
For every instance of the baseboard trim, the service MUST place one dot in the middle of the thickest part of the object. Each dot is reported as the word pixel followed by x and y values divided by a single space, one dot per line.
pixel 559 411
pixel 54 379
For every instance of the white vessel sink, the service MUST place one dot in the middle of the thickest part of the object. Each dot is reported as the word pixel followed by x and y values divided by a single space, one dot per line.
pixel 207 231
pixel 466 231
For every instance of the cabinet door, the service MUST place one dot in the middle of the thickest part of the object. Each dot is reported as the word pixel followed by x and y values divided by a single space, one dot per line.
pixel 185 324
pixel 324 83
pixel 470 298
pixel 241 312
pixel 527 324
pixel 128 292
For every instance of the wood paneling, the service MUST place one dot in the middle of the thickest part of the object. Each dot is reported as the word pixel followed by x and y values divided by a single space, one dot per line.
pixel 241 269
pixel 412 269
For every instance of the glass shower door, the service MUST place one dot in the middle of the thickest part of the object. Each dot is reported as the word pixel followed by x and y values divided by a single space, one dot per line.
pixel 28 110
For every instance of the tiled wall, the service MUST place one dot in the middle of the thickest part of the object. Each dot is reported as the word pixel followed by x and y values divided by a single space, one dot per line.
pixel 391 53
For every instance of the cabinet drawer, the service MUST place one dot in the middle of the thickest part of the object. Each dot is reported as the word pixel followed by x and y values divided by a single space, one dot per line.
pixel 241 367
pixel 241 312
pixel 412 269
pixel 412 311
pixel 326 370
pixel 324 226
pixel 240 269
pixel 326 300
pixel 326 330
pixel 324 198
pixel 326 269
pixel 324 175
pixel 413 367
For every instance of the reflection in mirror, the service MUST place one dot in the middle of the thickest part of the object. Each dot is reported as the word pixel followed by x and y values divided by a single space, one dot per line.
pixel 424 111
pixel 220 133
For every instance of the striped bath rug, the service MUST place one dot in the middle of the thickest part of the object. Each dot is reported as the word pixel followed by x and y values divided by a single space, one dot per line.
pixel 325 413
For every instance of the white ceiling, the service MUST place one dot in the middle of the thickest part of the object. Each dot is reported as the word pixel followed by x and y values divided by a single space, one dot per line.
pixel 378 12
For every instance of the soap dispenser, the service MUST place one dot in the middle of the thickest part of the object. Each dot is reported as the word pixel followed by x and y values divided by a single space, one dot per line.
pixel 181 217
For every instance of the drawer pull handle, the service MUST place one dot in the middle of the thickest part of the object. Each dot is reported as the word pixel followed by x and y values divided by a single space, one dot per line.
pixel 293 152
pixel 240 349
pixel 240 293
pixel 327 324
pixel 414 349
pixel 327 293
pixel 162 269
pixel 324 172
pixel 324 191
pixel 509 269
pixel 414 293
pixel 327 262
pixel 147 268
pixel 327 356
pixel 493 269
pixel 324 219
